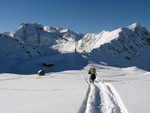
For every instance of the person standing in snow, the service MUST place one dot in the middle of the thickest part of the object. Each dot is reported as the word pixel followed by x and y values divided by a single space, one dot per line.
pixel 92 71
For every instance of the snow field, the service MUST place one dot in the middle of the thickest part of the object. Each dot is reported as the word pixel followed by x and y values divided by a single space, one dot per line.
pixel 56 93
pixel 112 101
pixel 93 102
pixel 103 98
pixel 116 90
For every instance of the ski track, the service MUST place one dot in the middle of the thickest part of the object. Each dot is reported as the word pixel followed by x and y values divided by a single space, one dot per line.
pixel 102 98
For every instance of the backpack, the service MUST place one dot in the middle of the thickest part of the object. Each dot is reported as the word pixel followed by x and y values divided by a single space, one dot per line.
pixel 92 71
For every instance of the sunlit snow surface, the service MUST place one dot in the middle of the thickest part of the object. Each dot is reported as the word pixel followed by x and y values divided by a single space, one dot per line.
pixel 116 90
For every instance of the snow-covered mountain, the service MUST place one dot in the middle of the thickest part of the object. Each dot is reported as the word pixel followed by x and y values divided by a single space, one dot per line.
pixel 126 46
pixel 115 90
pixel 65 33
pixel 56 38
pixel 17 49
pixel 134 32
pixel 65 40
pixel 13 51
pixel 34 34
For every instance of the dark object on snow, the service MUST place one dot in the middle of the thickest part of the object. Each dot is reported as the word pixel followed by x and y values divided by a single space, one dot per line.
pixel 41 73
pixel 92 71
pixel 48 65
pixel 92 77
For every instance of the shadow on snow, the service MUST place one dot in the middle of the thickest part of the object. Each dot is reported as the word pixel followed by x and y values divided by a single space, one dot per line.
pixel 62 62
pixel 69 61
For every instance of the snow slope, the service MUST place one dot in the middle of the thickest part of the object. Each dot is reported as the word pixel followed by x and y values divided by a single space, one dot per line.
pixel 126 46
pixel 116 90
pixel 12 51
pixel 132 86
pixel 56 93
pixel 129 34
pixel 55 38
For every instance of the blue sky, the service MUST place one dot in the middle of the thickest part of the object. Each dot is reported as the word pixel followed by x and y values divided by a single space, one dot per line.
pixel 79 15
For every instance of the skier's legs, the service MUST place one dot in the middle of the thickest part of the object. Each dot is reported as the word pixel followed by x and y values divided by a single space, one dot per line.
pixel 92 77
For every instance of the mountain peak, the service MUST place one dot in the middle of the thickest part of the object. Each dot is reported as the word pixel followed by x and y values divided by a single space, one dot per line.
pixel 31 24
pixel 50 29
pixel 134 26
pixel 66 30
